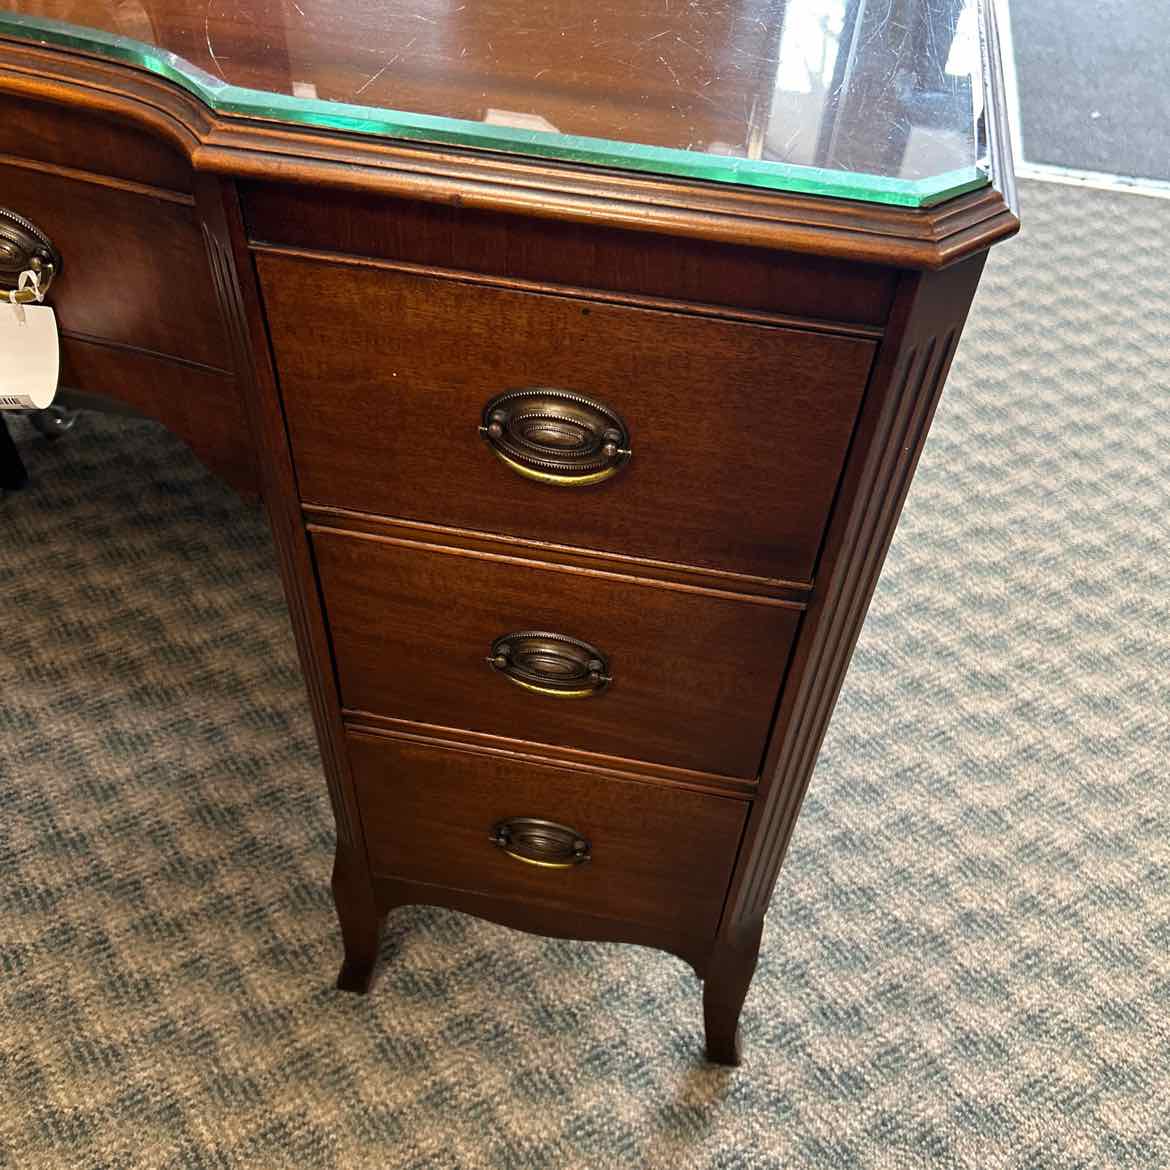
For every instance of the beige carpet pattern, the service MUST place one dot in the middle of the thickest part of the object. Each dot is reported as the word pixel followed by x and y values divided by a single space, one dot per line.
pixel 967 961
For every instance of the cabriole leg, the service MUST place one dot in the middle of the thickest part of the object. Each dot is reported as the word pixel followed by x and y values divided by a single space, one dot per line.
pixel 361 921
pixel 729 975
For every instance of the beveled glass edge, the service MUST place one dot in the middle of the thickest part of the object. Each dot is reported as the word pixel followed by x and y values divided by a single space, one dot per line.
pixel 223 97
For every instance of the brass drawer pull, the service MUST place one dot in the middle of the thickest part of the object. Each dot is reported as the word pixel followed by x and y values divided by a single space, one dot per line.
pixel 538 842
pixel 25 248
pixel 556 437
pixel 550 664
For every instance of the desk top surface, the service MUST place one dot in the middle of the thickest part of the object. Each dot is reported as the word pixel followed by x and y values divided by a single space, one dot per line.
pixel 885 101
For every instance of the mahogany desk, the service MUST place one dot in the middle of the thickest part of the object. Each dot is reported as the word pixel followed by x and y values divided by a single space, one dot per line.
pixel 582 356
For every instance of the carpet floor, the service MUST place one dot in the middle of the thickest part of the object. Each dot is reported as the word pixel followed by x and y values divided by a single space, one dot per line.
pixel 967 960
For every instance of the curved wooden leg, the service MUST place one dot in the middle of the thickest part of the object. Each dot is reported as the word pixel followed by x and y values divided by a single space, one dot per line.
pixel 725 986
pixel 361 921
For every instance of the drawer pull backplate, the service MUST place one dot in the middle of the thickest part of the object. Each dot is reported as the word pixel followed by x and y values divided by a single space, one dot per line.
pixel 556 437
pixel 538 842
pixel 25 248
pixel 550 664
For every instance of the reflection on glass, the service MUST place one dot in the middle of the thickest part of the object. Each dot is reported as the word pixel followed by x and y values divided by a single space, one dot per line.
pixel 873 99
pixel 848 68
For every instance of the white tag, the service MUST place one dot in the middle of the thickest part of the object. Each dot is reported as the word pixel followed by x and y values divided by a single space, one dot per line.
pixel 30 356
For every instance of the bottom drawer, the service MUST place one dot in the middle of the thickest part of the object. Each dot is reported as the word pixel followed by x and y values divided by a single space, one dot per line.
pixel 656 855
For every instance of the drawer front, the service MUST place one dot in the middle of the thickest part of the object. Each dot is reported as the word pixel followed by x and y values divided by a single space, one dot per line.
pixel 656 855
pixel 694 675
pixel 738 431
pixel 134 269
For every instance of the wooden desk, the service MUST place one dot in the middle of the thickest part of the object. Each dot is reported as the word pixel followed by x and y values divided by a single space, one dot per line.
pixel 583 371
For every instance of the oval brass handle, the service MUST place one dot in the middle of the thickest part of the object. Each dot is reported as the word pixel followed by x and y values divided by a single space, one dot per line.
pixel 543 843
pixel 550 664
pixel 25 248
pixel 556 437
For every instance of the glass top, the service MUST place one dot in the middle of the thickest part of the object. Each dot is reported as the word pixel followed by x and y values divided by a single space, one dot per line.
pixel 878 100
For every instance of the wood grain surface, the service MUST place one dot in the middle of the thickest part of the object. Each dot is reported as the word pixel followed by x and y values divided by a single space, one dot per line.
pixel 695 678
pixel 51 135
pixel 203 407
pixel 739 431
pixel 658 857
pixel 134 269
pixel 583 254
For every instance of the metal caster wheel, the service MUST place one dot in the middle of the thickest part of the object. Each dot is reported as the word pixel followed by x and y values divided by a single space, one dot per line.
pixel 53 421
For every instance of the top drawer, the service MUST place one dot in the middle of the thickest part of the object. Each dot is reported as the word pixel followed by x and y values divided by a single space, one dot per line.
pixel 134 267
pixel 738 430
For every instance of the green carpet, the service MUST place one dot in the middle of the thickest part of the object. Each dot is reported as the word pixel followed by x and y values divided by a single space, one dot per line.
pixel 967 961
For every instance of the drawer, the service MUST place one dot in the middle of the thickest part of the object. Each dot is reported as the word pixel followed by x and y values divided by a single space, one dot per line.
pixel 695 675
pixel 738 430
pixel 134 268
pixel 656 855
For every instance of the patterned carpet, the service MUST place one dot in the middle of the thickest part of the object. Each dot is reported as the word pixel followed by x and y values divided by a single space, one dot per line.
pixel 967 963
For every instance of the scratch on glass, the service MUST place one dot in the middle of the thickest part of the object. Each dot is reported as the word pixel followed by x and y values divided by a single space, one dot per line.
pixel 370 80
pixel 207 35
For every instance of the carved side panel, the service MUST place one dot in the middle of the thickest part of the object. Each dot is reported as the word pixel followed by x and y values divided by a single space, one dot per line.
pixel 238 296
pixel 908 379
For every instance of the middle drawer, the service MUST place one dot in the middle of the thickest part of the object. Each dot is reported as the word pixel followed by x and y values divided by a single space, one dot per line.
pixel 670 675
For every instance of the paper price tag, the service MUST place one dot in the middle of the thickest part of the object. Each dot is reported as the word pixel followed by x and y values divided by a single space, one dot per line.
pixel 30 356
